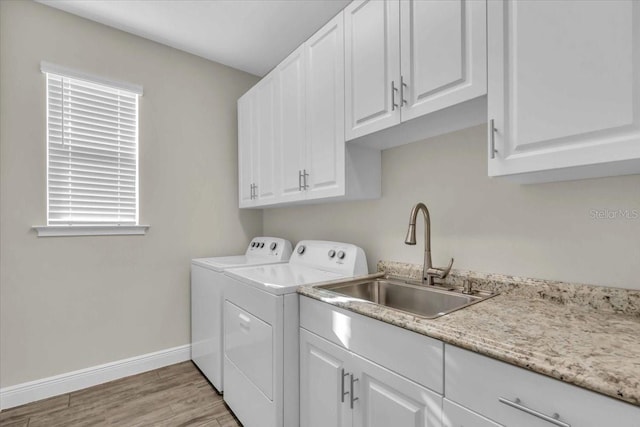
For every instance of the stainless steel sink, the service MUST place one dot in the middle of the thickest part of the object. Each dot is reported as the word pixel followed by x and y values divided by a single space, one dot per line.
pixel 429 302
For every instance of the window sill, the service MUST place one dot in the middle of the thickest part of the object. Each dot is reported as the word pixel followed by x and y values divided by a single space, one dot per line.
pixel 89 230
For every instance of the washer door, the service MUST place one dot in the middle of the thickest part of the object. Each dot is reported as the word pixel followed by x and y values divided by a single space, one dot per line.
pixel 248 344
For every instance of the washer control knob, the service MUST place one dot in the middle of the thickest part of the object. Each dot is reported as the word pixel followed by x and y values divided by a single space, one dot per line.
pixel 262 245
pixel 253 244
pixel 301 249
pixel 331 253
pixel 273 246
pixel 341 254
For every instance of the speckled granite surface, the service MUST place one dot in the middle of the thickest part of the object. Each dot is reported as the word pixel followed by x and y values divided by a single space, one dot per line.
pixel 587 343
pixel 597 298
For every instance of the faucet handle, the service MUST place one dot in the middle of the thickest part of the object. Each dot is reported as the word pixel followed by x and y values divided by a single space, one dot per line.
pixel 448 269
pixel 440 273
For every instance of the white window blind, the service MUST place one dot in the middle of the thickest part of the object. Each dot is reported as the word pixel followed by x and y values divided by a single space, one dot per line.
pixel 92 153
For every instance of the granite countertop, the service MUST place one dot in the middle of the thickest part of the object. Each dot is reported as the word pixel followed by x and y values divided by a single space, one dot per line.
pixel 580 341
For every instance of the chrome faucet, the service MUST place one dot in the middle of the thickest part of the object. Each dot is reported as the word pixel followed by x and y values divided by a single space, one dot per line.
pixel 428 271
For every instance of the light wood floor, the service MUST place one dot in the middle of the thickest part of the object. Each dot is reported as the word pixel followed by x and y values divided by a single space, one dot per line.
pixel 173 396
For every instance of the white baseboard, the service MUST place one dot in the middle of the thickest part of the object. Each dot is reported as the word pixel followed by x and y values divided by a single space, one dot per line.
pixel 31 391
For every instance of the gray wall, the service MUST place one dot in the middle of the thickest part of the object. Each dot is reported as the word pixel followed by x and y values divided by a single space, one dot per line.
pixel 487 224
pixel 68 303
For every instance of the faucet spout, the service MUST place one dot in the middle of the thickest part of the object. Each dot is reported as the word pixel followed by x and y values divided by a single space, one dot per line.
pixel 428 271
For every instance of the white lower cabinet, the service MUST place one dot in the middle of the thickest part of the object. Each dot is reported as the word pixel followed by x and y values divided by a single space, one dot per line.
pixel 515 397
pixel 340 388
pixel 384 398
pixel 361 372
pixel 324 382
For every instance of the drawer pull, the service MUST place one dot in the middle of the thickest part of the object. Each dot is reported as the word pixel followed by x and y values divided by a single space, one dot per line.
pixel 343 393
pixel 353 397
pixel 517 404
pixel 492 139
pixel 393 96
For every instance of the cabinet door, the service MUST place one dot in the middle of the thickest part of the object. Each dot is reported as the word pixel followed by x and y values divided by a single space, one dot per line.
pixel 372 65
pixel 264 167
pixel 291 126
pixel 325 153
pixel 386 399
pixel 246 140
pixel 444 54
pixel 323 366
pixel 567 96
pixel 516 397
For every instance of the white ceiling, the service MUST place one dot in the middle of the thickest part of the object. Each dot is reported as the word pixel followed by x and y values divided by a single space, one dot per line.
pixel 250 35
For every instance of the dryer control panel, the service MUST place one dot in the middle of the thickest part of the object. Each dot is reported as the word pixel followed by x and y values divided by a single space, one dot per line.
pixel 271 247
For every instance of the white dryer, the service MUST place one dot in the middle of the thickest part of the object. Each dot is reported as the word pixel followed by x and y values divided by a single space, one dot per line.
pixel 207 300
pixel 261 328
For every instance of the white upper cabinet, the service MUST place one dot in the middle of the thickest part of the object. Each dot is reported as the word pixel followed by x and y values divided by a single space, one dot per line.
pixel 291 125
pixel 564 89
pixel 325 145
pixel 372 66
pixel 246 106
pixel 257 182
pixel 265 185
pixel 291 131
pixel 444 54
pixel 409 58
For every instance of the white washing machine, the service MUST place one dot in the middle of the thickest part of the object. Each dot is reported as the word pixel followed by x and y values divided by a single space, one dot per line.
pixel 261 327
pixel 207 300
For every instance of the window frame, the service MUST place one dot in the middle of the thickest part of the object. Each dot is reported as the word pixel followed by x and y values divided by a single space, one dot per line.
pixel 97 229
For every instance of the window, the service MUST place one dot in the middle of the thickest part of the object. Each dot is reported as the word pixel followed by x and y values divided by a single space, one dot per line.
pixel 92 151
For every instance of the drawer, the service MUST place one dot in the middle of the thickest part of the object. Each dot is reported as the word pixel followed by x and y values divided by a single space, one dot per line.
pixel 516 397
pixel 248 344
pixel 454 415
pixel 407 353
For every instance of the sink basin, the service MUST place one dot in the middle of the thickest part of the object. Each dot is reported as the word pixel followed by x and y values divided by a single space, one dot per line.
pixel 428 302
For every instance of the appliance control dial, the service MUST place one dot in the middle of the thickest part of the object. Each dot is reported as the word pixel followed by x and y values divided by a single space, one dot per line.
pixel 273 246
pixel 341 254
pixel 262 245
pixel 253 244
pixel 331 253
pixel 301 249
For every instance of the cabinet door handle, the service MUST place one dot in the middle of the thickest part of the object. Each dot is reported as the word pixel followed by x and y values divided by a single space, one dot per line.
pixel 299 180
pixel 342 392
pixel 251 192
pixel 517 404
pixel 492 139
pixel 402 86
pixel 353 398
pixel 305 175
pixel 394 89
